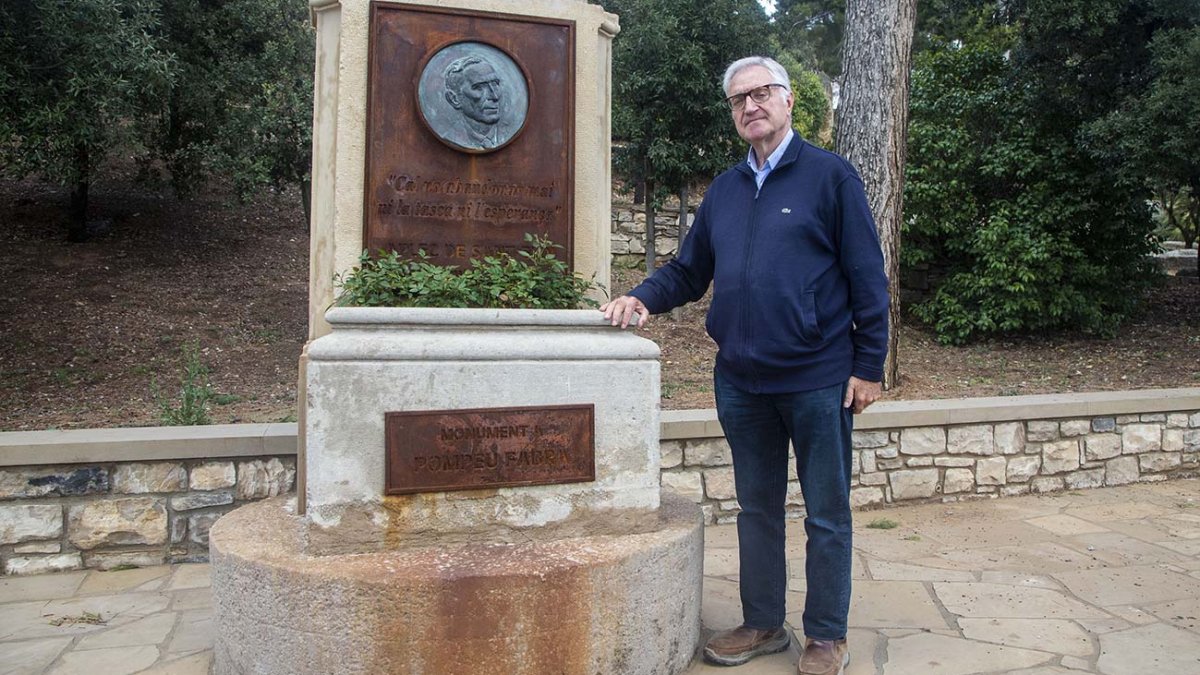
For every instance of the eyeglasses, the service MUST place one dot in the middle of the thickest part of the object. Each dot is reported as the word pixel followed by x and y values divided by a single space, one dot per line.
pixel 759 95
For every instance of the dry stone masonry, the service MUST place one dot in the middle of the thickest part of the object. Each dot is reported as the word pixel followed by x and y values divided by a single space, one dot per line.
pixel 136 513
pixel 973 461
pixel 110 514
pixel 629 233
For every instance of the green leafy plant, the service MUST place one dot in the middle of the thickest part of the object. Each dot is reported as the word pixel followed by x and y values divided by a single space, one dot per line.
pixel 195 392
pixel 82 81
pixel 1023 230
pixel 883 524
pixel 534 279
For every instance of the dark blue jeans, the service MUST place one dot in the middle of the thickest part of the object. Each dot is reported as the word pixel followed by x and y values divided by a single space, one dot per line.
pixel 758 427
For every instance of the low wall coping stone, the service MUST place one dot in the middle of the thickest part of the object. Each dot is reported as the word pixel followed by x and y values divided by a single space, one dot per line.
pixel 139 444
pixel 132 444
pixel 941 412
pixel 683 424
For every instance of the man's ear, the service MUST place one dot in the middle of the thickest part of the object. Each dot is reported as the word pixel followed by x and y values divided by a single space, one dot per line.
pixel 452 99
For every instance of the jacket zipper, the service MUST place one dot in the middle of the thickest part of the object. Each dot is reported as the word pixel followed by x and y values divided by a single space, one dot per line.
pixel 745 305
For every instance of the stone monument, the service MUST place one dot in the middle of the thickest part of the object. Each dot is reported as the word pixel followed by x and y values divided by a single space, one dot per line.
pixel 479 489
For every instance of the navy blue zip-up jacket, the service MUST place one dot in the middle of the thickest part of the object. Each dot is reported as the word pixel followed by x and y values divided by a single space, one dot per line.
pixel 800 298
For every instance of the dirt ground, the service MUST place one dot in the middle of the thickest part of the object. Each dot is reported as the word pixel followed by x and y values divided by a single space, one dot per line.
pixel 1158 349
pixel 88 330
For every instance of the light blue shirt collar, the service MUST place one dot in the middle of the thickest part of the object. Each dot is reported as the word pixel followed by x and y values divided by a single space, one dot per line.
pixel 760 175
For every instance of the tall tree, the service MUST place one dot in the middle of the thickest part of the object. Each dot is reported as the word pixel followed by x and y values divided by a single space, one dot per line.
pixel 1028 191
pixel 1156 133
pixel 872 130
pixel 945 21
pixel 80 80
pixel 670 122
pixel 243 107
pixel 812 30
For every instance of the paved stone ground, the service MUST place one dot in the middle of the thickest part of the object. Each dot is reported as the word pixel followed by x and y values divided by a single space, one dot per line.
pixel 1098 581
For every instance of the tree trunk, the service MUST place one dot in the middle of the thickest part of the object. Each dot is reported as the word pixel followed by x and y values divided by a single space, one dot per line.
pixel 1193 209
pixel 683 214
pixel 1169 202
pixel 872 129
pixel 306 198
pixel 677 313
pixel 650 227
pixel 77 218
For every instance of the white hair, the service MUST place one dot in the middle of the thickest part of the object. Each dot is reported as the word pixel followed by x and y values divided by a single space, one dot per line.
pixel 779 74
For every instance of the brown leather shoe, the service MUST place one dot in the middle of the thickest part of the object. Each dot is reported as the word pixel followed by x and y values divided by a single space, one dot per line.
pixel 739 645
pixel 823 657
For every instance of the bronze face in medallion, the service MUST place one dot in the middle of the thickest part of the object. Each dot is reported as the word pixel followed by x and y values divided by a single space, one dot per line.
pixel 473 97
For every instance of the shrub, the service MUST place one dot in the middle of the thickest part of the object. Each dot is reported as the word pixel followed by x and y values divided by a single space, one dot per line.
pixel 811 103
pixel 535 279
pixel 1031 233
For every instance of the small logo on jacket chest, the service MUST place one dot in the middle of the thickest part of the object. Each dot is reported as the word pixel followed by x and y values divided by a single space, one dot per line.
pixel 785 210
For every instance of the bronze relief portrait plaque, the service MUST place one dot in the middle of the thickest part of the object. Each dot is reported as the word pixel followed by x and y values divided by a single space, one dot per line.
pixel 473 97
pixel 470 132
pixel 441 450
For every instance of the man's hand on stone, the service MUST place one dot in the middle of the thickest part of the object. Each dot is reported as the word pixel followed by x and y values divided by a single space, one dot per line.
pixel 625 310
pixel 861 393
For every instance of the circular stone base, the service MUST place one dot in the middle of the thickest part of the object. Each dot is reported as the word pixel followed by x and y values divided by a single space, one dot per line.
pixel 624 604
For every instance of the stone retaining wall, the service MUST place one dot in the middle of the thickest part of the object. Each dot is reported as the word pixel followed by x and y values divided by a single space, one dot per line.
pixel 629 233
pixel 109 497
pixel 973 461
pixel 64 517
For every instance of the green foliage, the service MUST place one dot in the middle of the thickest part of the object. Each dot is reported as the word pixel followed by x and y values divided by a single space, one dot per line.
pixel 535 279
pixel 670 122
pixel 1032 232
pixel 1039 130
pixel 812 106
pixel 207 87
pixel 811 30
pixel 1155 133
pixel 81 80
pixel 1178 213
pixel 883 524
pixel 942 21
pixel 243 104
pixel 195 392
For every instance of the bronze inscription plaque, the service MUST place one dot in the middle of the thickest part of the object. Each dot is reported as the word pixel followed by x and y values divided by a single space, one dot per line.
pixel 470 132
pixel 439 450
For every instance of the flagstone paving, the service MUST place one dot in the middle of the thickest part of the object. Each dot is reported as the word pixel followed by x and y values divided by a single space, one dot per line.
pixel 1100 581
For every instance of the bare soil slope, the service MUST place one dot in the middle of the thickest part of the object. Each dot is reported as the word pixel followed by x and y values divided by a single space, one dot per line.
pixel 87 329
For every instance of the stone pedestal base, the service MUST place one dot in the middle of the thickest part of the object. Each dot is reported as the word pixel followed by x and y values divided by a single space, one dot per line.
pixel 528 604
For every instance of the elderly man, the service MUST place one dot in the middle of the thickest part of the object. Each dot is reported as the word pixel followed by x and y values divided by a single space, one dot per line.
pixel 474 89
pixel 799 314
